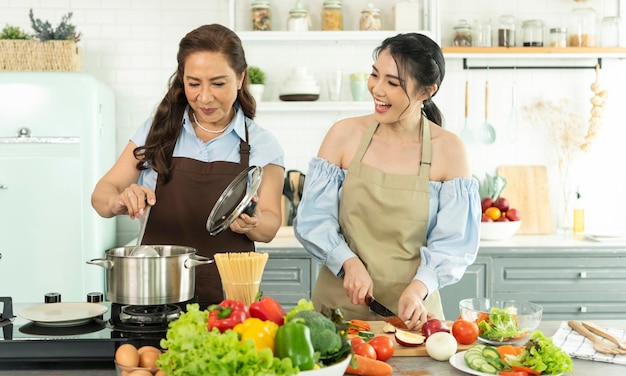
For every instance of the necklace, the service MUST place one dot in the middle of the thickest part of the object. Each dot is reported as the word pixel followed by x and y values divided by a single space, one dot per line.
pixel 203 128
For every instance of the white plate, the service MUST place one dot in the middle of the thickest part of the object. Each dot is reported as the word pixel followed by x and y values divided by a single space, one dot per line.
pixel 457 361
pixel 63 314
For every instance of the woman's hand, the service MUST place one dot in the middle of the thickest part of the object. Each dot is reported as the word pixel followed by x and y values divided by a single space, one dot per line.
pixel 133 200
pixel 356 281
pixel 246 223
pixel 411 305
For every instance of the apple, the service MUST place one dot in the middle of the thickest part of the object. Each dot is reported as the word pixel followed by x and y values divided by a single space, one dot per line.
pixel 433 326
pixel 486 202
pixel 441 346
pixel 502 219
pixel 502 204
pixel 486 218
pixel 513 214
pixel 408 339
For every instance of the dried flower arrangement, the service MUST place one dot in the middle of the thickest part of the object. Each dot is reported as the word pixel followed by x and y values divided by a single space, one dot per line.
pixel 44 30
pixel 567 131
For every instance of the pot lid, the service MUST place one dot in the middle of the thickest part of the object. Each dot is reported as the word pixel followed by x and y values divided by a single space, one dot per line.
pixel 236 199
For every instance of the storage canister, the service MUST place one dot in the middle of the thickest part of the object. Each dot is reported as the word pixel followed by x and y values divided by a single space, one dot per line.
pixel 463 34
pixel 558 37
pixel 506 31
pixel 298 19
pixel 582 25
pixel 332 17
pixel 611 31
pixel 261 15
pixel 533 33
pixel 370 19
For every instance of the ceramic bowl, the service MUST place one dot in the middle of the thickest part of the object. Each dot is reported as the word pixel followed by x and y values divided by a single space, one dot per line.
pixel 498 230
pixel 526 314
pixel 337 369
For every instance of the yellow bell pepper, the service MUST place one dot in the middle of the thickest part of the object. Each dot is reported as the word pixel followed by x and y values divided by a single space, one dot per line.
pixel 262 333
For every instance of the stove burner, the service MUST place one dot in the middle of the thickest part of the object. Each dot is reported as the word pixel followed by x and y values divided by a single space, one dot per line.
pixel 150 315
pixel 7 311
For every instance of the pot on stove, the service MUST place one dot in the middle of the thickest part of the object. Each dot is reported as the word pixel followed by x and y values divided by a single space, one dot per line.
pixel 163 279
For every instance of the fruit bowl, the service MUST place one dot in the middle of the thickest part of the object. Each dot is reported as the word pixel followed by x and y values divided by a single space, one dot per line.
pixel 337 369
pixel 501 321
pixel 498 230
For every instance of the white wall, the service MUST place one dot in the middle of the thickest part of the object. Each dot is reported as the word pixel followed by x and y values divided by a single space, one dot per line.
pixel 131 45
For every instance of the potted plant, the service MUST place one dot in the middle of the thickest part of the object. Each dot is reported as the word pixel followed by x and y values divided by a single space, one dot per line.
pixel 257 82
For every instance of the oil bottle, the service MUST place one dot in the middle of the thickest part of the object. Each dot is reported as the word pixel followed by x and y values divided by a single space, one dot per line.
pixel 579 214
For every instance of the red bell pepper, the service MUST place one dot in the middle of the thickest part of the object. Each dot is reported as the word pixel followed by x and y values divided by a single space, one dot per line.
pixel 268 309
pixel 227 314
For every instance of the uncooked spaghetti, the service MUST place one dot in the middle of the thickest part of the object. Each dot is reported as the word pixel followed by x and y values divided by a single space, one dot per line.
pixel 241 274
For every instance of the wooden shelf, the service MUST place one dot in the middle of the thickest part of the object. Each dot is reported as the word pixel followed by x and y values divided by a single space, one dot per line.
pixel 299 106
pixel 535 52
pixel 318 36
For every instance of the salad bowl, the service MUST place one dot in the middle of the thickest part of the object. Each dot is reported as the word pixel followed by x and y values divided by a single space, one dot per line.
pixel 501 321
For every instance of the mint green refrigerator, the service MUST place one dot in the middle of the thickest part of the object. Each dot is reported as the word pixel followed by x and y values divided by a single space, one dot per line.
pixel 57 138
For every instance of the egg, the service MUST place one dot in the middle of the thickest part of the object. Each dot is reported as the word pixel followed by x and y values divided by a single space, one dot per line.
pixel 127 355
pixel 143 349
pixel 160 373
pixel 148 359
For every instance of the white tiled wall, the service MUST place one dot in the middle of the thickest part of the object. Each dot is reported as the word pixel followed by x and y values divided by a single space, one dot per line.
pixel 131 46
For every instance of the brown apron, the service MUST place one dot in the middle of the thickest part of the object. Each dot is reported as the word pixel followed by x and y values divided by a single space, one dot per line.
pixel 183 206
pixel 384 219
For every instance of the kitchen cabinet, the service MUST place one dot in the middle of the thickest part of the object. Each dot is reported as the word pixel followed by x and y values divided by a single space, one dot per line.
pixel 570 278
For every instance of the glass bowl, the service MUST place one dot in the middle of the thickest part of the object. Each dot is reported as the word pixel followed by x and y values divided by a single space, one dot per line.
pixel 498 230
pixel 125 370
pixel 501 321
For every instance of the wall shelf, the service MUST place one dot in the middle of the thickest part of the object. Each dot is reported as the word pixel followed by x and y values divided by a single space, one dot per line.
pixel 317 106
pixel 318 36
pixel 577 54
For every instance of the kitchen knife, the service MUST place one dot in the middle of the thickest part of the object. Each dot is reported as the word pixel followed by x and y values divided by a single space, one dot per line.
pixel 385 313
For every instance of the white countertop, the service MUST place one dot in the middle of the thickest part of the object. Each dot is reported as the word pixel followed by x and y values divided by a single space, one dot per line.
pixel 286 239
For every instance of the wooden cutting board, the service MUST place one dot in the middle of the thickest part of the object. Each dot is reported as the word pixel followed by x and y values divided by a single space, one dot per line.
pixel 399 350
pixel 527 191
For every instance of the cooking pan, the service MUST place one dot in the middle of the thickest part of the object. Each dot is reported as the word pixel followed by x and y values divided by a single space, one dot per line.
pixel 163 279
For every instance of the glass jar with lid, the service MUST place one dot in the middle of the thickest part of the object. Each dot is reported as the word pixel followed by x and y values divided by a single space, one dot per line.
pixel 261 15
pixel 370 19
pixel 611 31
pixel 558 37
pixel 298 19
pixel 506 30
pixel 332 17
pixel 583 24
pixel 462 34
pixel 533 33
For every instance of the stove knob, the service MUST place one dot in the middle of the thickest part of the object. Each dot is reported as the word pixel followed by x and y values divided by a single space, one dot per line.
pixel 52 297
pixel 95 297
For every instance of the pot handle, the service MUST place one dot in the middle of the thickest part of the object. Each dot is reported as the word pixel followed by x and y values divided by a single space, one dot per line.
pixel 196 260
pixel 107 264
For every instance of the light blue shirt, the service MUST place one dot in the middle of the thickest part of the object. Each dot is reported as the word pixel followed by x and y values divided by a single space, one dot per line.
pixel 264 147
pixel 452 236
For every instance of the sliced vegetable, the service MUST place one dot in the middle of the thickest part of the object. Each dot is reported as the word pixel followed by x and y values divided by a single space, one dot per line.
pixel 505 350
pixel 366 335
pixel 227 314
pixel 512 373
pixel 409 339
pixel 529 371
pixel 369 367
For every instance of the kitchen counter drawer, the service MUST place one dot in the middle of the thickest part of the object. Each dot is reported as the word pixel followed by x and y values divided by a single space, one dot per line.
pixel 287 280
pixel 581 274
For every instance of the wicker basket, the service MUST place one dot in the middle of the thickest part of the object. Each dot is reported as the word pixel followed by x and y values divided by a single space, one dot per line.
pixel 34 55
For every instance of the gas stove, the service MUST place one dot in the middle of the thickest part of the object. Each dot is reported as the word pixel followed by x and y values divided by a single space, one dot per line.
pixel 95 340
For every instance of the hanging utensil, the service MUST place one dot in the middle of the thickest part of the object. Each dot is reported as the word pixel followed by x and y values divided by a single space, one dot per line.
pixel 143 250
pixel 487 133
pixel 466 133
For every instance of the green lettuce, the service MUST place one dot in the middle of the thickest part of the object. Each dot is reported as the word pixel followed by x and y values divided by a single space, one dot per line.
pixel 542 355
pixel 501 325
pixel 194 350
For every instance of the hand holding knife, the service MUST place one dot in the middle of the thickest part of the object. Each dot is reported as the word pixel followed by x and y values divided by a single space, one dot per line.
pixel 385 313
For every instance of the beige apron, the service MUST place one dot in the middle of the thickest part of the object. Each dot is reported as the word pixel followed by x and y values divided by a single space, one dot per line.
pixel 383 218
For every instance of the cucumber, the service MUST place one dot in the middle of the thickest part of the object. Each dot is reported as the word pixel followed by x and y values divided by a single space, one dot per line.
pixel 475 359
pixel 366 335
pixel 493 357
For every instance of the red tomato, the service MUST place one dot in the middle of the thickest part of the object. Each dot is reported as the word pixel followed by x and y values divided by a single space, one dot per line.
pixel 529 371
pixel 366 350
pixel 383 346
pixel 356 341
pixel 465 331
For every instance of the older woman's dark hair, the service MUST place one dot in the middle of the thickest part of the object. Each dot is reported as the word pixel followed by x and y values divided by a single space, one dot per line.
pixel 166 125
pixel 419 57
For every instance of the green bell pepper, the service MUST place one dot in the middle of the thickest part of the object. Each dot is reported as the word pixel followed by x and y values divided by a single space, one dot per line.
pixel 293 340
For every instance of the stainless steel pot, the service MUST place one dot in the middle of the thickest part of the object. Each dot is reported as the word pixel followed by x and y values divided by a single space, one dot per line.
pixel 163 279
